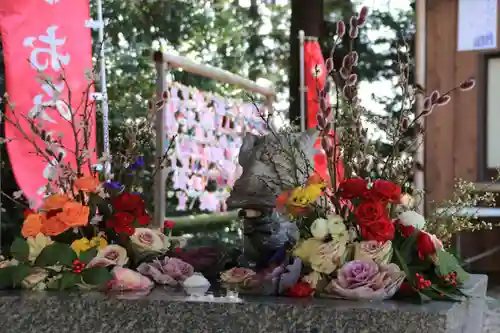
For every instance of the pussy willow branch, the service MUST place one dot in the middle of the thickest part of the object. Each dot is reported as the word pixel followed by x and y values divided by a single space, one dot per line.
pixel 413 123
pixel 404 75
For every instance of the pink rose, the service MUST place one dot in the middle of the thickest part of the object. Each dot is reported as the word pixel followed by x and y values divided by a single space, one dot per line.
pixel 125 279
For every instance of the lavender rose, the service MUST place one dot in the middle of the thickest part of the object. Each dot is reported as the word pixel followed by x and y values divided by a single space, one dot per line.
pixel 366 280
pixel 168 271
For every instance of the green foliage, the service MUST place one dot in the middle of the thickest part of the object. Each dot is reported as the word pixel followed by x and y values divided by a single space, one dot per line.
pixel 96 276
pixel 13 276
pixel 20 249
pixel 69 280
pixel 86 256
pixel 56 254
pixel 448 264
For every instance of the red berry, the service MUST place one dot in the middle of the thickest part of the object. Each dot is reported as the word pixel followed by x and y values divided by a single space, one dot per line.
pixel 441 294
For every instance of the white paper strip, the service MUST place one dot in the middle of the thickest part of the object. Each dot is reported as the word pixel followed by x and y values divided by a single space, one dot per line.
pixel 477 25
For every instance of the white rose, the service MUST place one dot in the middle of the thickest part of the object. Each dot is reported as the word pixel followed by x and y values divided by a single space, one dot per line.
pixel 147 240
pixel 319 229
pixel 114 255
pixel 411 218
pixel 336 227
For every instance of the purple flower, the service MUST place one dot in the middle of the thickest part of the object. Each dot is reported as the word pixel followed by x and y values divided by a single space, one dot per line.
pixel 170 271
pixel 291 275
pixel 139 162
pixel 366 280
pixel 357 273
pixel 109 185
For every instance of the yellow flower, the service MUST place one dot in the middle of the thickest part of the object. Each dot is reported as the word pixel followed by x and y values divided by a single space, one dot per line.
pixel 81 245
pixel 307 248
pixel 99 242
pixel 37 244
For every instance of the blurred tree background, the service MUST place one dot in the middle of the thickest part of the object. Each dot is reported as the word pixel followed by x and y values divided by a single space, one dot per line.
pixel 253 38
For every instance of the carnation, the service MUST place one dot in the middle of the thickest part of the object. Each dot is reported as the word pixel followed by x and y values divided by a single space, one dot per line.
pixel 412 218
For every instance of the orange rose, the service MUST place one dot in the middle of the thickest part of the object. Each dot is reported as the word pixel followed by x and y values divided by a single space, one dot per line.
pixel 86 184
pixel 54 226
pixel 32 225
pixel 74 214
pixel 55 201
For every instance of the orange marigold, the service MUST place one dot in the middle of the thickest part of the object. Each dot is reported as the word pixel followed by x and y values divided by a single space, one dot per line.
pixel 74 214
pixel 54 226
pixel 33 224
pixel 87 184
pixel 55 202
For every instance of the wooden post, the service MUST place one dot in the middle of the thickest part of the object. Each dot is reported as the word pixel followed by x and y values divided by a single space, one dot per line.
pixel 161 137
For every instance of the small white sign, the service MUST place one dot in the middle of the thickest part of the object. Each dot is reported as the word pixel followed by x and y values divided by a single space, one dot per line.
pixel 477 25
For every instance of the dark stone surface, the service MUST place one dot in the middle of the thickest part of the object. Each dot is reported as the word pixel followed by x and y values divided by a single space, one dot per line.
pixel 161 312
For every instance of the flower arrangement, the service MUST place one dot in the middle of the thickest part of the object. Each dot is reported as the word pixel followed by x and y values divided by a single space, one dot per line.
pixel 92 229
pixel 359 237
pixel 84 240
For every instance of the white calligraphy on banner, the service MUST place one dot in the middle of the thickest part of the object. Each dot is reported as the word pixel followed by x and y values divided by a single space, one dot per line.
pixel 52 2
pixel 45 55
pixel 50 100
pixel 209 135
pixel 50 50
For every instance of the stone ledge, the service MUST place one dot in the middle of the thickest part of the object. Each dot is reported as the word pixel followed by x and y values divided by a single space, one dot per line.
pixel 162 312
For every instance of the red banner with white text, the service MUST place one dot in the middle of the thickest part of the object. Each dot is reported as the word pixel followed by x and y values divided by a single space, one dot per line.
pixel 47 52
pixel 315 78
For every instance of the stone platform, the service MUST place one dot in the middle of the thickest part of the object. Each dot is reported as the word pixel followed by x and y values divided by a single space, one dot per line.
pixel 162 312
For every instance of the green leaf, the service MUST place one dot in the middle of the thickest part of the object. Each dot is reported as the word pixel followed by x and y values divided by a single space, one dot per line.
pixel 96 276
pixel 13 276
pixel 6 277
pixel 68 280
pixel 423 297
pixel 56 253
pixel 447 263
pixel 20 249
pixel 446 294
pixel 401 263
pixel 19 273
pixel 408 246
pixel 87 256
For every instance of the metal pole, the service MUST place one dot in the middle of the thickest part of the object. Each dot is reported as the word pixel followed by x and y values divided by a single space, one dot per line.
pixel 302 87
pixel 104 89
pixel 161 146
pixel 420 58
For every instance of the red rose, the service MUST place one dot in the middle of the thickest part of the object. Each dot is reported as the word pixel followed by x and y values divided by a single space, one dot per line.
pixel 121 222
pixel 127 202
pixel 370 211
pixel 381 230
pixel 353 188
pixel 386 190
pixel 300 289
pixel 123 218
pixel 143 220
pixel 425 245
pixel 168 224
pixel 405 230
pixel 125 229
